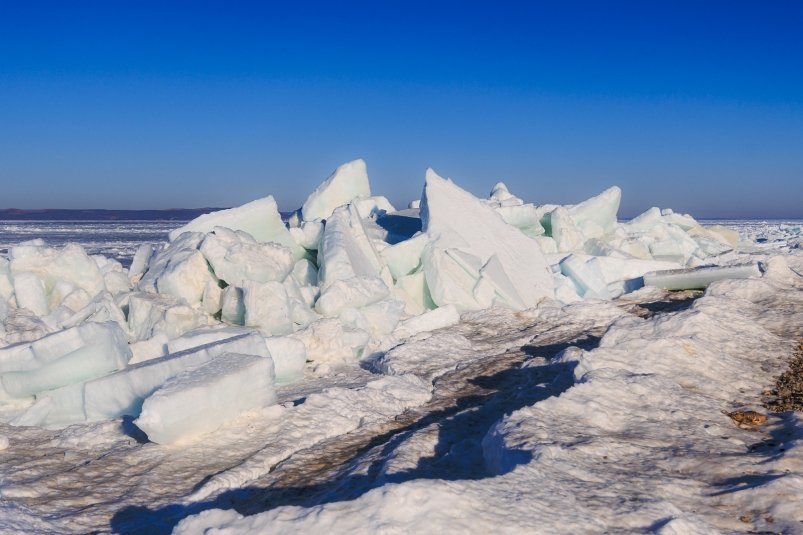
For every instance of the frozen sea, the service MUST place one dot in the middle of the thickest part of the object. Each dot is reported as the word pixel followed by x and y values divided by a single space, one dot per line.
pixel 115 239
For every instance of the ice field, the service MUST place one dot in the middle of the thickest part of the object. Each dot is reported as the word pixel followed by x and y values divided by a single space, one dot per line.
pixel 459 365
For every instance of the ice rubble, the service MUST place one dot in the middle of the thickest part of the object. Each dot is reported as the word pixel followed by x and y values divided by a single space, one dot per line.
pixel 347 277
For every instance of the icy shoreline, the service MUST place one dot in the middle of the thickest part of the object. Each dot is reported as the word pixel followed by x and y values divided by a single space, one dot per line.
pixel 465 365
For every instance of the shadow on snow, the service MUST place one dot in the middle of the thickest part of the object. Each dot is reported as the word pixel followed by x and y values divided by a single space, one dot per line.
pixel 457 455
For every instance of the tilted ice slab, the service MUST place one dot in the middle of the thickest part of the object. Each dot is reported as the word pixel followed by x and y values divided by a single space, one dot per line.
pixel 62 358
pixel 346 251
pixel 351 273
pixel 289 354
pixel 596 216
pixel 259 218
pixel 474 259
pixel 123 393
pixel 180 270
pixel 699 278
pixel 348 182
pixel 198 401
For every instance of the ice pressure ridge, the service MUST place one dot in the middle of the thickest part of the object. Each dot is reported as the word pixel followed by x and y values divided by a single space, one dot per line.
pixel 239 300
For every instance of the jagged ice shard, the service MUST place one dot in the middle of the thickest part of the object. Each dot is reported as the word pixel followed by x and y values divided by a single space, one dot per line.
pixel 474 259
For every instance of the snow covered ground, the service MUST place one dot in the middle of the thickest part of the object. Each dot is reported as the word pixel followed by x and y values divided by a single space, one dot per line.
pixel 404 382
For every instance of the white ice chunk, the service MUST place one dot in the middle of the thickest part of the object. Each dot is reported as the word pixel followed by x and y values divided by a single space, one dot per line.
pixel 204 336
pixel 500 193
pixel 616 269
pixel 201 400
pixel 305 273
pixel 71 356
pixel 289 358
pixel 404 257
pixel 698 278
pixel 180 270
pixel 329 342
pixel 259 218
pixel 439 318
pixel 730 236
pixel 355 292
pixel 308 234
pixel 416 292
pixel 378 319
pixel 458 227
pixel 346 251
pixel 212 298
pixel 69 263
pixel 267 307
pixel 150 314
pixel 348 182
pixel 373 207
pixel 645 221
pixel 140 262
pixel 6 285
pixel 684 221
pixel 565 232
pixel 236 257
pixel 102 308
pixel 30 292
pixel 122 393
pixel 596 216
pixel 525 217
pixel 586 275
pixel 232 305
pixel 149 349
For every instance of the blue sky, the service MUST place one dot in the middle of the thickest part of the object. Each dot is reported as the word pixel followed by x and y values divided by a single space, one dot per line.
pixel 696 106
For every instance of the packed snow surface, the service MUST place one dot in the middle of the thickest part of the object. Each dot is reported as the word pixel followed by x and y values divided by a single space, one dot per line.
pixel 465 365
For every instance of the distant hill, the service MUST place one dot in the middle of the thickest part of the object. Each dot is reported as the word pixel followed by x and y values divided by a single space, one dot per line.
pixel 57 214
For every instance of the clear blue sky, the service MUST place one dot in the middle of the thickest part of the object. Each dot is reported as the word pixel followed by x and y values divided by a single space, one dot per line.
pixel 696 106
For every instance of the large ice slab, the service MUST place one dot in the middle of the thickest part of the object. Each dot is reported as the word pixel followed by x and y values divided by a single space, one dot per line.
pixel 471 247
pixel 346 251
pixel 198 401
pixel 699 278
pixel 123 393
pixel 259 218
pixel 62 358
pixel 348 182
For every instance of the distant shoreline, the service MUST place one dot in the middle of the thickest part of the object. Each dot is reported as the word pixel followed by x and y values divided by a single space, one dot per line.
pixel 58 214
